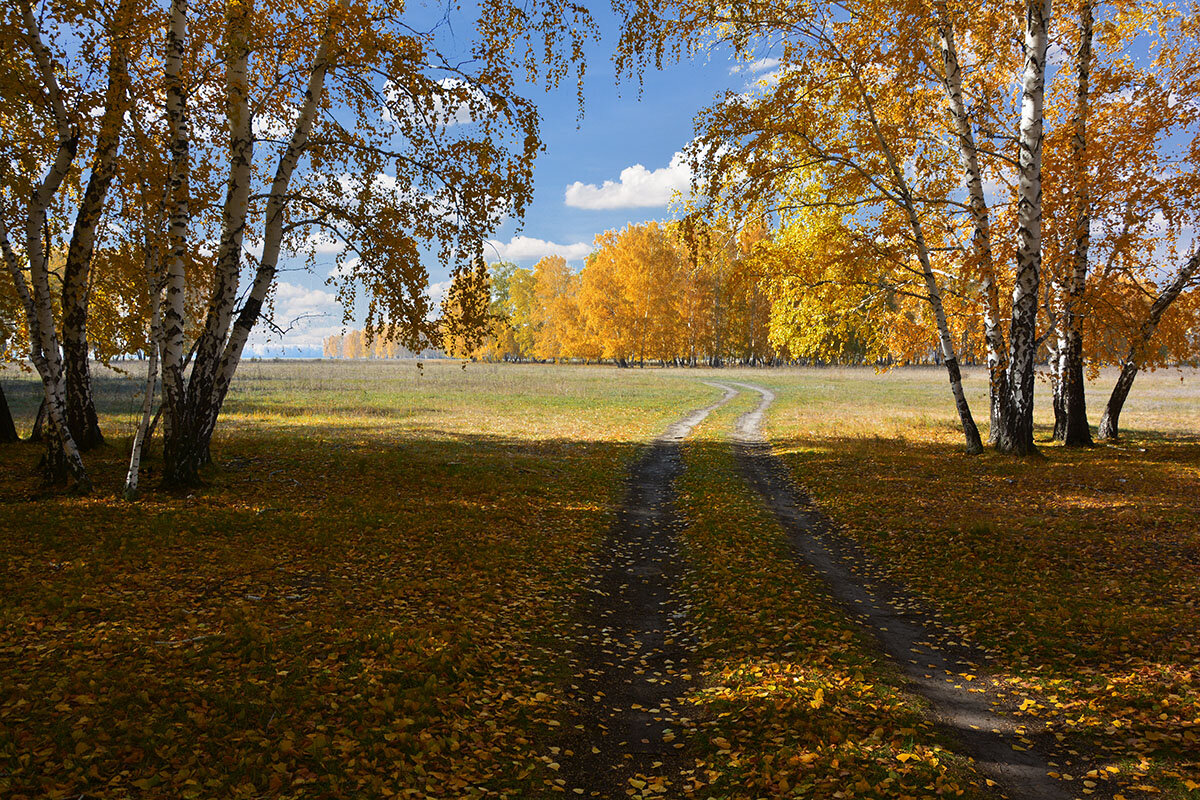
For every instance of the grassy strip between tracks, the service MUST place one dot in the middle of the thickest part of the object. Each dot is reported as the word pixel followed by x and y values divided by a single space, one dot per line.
pixel 795 701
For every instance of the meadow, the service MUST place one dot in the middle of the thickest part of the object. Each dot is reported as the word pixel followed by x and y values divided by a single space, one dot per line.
pixel 376 591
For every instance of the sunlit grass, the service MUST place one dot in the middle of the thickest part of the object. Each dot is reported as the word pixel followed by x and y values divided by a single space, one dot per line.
pixel 1080 570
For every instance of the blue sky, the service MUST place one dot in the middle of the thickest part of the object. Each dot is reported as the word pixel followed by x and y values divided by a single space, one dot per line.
pixel 616 161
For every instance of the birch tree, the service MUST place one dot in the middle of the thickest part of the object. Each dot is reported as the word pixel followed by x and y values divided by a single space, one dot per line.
pixel 1184 278
pixel 1120 200
pixel 376 140
pixel 1016 433
pixel 74 61
pixel 963 125
pixel 28 251
pixel 77 277
pixel 842 123
pixel 1070 424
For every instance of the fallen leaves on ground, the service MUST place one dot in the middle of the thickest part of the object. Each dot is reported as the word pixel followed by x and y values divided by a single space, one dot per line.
pixel 796 702
pixel 1079 572
pixel 364 601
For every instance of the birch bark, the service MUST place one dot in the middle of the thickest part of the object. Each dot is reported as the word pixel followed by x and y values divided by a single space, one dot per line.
pixel 981 223
pixel 154 281
pixel 1075 431
pixel 974 444
pixel 76 281
pixel 175 416
pixel 202 382
pixel 1110 421
pixel 204 414
pixel 44 350
pixel 1016 435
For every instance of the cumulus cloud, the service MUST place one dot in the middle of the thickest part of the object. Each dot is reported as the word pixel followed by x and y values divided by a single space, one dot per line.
pixel 345 269
pixel 324 244
pixel 292 301
pixel 453 102
pixel 311 314
pixel 527 248
pixel 437 293
pixel 754 67
pixel 638 187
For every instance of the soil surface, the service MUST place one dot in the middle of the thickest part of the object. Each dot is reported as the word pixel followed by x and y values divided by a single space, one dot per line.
pixel 634 657
pixel 950 678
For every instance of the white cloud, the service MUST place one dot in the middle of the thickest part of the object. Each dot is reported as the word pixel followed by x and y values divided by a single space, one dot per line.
pixel 767 79
pixel 345 269
pixel 1056 56
pixel 527 248
pixel 453 102
pixel 637 188
pixel 292 301
pixel 322 243
pixel 437 293
pixel 271 126
pixel 311 315
pixel 754 67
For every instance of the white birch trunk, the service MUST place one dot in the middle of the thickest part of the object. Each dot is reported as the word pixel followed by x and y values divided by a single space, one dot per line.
pixel 1075 431
pixel 974 444
pixel 264 278
pixel 980 219
pixel 237 204
pixel 154 281
pixel 76 278
pixel 1017 434
pixel 178 221
pixel 36 297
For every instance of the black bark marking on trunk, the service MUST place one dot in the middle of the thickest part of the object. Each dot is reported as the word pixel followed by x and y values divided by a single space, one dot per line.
pixel 1070 402
pixel 1060 413
pixel 81 406
pixel 974 444
pixel 8 429
pixel 1075 432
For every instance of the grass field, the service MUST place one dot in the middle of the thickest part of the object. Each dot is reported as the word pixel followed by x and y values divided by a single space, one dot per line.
pixel 368 599
pixel 1079 571
pixel 372 595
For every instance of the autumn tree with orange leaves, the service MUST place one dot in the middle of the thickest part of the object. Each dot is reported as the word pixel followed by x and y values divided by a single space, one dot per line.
pixel 877 135
pixel 279 125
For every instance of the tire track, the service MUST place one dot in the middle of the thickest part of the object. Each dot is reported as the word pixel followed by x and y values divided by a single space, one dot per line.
pixel 635 657
pixel 960 705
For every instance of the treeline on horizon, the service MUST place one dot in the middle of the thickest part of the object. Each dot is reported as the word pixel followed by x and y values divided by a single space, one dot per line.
pixel 674 293
pixel 643 296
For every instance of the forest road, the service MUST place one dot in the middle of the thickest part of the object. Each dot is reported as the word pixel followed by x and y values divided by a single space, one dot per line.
pixel 960 706
pixel 634 660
